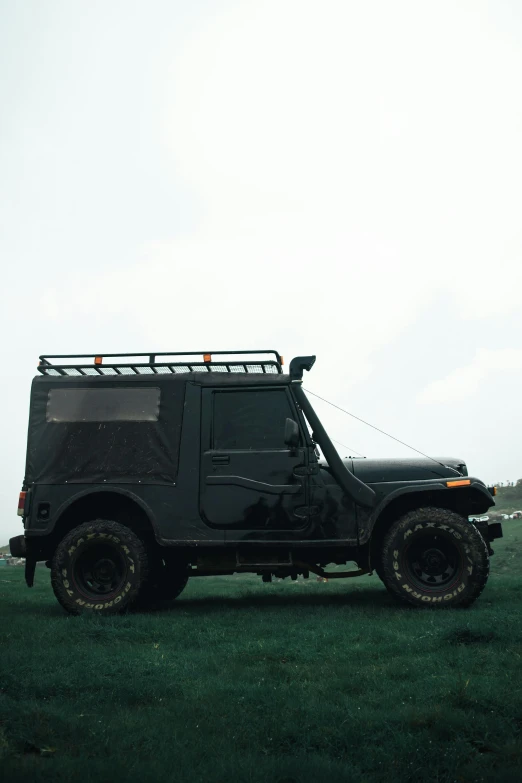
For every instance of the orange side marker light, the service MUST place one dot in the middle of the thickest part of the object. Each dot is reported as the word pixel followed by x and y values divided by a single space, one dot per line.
pixel 460 483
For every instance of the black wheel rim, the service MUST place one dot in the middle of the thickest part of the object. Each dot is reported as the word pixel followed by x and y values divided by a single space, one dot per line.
pixel 433 561
pixel 99 571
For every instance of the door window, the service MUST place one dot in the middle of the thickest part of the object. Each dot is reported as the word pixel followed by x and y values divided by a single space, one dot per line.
pixel 252 420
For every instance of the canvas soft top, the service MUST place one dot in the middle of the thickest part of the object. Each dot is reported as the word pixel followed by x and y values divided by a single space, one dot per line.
pixel 82 430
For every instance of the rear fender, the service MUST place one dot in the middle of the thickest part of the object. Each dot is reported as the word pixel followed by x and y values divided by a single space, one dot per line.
pixel 96 502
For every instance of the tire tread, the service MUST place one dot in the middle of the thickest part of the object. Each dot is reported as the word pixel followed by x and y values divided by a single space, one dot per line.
pixel 114 528
pixel 477 580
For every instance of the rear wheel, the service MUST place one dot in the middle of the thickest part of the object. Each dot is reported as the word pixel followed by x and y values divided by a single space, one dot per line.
pixel 98 567
pixel 167 579
pixel 379 570
pixel 434 557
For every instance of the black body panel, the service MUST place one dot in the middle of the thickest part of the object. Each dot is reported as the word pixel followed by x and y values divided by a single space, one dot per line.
pixel 249 479
pixel 373 471
pixel 203 456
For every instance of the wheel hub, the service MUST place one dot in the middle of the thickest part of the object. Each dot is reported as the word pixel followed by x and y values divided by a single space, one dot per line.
pixel 103 571
pixel 433 561
pixel 99 570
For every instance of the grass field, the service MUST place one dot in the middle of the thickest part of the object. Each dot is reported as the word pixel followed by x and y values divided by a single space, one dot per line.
pixel 287 683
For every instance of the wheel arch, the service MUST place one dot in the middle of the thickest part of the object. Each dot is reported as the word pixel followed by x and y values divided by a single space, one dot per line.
pixel 118 505
pixel 463 500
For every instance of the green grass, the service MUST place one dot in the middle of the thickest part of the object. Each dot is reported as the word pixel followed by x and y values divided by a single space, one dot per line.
pixel 283 683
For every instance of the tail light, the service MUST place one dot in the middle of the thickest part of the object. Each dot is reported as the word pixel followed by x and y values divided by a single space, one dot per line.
pixel 21 504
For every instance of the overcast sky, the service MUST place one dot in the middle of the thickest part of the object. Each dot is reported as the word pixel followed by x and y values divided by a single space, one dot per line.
pixel 339 178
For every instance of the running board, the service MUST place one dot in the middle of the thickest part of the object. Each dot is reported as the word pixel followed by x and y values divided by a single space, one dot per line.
pixel 332 575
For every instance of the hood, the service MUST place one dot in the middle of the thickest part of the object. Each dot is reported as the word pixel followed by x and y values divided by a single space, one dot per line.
pixel 379 470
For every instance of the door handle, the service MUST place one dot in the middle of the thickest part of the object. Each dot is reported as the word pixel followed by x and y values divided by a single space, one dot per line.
pixel 222 459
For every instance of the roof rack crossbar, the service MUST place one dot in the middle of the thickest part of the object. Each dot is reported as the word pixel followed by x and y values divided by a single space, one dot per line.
pixel 122 363
pixel 162 353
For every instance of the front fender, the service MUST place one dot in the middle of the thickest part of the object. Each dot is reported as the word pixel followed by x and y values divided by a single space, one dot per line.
pixel 396 499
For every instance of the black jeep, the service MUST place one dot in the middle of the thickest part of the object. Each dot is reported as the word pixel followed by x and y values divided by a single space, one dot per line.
pixel 144 470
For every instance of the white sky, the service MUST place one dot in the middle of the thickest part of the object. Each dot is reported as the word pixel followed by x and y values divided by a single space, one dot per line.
pixel 338 178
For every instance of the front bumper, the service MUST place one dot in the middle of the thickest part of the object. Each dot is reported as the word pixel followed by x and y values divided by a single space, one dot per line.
pixel 489 532
pixel 494 531
pixel 17 546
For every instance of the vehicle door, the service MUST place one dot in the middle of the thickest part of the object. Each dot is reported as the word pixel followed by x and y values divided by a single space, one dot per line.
pixel 250 478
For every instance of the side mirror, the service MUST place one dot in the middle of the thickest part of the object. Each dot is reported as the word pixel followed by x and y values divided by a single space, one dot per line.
pixel 291 433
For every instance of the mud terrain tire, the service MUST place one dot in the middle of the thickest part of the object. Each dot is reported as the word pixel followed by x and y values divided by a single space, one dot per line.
pixel 99 568
pixel 433 557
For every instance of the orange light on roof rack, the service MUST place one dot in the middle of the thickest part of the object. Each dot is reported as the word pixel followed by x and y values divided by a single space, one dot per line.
pixel 207 357
pixel 98 359
pixel 459 483
pixel 282 360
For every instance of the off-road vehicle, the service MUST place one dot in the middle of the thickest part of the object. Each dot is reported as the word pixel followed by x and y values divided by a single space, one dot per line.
pixel 143 471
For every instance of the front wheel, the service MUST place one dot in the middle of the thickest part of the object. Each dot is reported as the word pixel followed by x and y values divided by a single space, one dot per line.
pixel 434 557
pixel 99 567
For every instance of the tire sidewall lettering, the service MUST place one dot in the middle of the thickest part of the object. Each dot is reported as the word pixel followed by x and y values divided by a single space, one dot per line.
pixel 425 598
pixel 65 570
pixel 472 554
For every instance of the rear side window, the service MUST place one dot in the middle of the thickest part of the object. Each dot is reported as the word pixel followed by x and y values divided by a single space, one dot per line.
pixel 97 405
pixel 250 419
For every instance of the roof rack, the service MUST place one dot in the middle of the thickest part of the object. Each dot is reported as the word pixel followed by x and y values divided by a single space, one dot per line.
pixel 160 363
